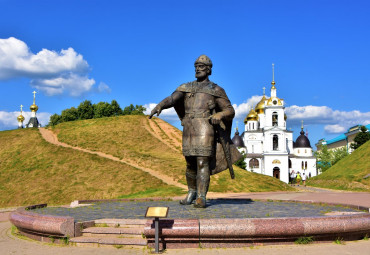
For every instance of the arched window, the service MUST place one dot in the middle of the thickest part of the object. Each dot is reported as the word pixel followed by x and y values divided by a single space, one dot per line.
pixel 274 119
pixel 305 165
pixel 253 163
pixel 275 143
pixel 302 165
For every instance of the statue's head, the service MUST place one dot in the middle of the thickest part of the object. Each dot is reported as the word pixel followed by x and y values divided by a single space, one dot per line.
pixel 203 67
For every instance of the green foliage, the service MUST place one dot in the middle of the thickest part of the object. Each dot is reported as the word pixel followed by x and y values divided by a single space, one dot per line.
pixel 327 158
pixel 87 110
pixel 103 109
pixel 134 110
pixel 338 154
pixel 304 240
pixel 116 109
pixel 70 114
pixel 55 119
pixel 241 162
pixel 339 240
pixel 362 137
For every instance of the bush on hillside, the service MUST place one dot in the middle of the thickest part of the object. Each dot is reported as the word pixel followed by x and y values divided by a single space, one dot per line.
pixel 87 110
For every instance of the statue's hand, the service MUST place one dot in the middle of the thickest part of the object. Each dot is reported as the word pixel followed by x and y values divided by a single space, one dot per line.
pixel 157 110
pixel 216 118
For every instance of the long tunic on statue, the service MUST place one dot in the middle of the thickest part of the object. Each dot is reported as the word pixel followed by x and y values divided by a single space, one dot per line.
pixel 194 103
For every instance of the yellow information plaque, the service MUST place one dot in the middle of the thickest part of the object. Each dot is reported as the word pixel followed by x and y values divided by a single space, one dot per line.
pixel 156 212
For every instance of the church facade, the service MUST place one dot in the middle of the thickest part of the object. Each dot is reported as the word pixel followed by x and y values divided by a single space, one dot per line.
pixel 269 146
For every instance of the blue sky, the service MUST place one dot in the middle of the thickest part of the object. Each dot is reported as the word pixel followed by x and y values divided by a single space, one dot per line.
pixel 139 51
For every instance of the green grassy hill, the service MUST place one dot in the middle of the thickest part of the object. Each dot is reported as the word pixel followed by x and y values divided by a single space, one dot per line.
pixel 35 171
pixel 348 173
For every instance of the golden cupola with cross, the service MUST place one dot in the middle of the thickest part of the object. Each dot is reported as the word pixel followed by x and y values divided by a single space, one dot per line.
pixel 260 107
pixel 20 118
pixel 34 107
pixel 33 122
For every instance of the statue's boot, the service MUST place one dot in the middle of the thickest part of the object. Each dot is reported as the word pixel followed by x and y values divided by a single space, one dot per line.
pixel 191 179
pixel 203 178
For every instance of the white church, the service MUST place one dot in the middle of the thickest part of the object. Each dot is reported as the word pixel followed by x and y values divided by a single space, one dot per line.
pixel 269 146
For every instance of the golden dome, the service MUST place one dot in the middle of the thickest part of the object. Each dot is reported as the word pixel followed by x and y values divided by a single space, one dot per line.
pixel 34 108
pixel 252 115
pixel 260 107
pixel 274 101
pixel 20 118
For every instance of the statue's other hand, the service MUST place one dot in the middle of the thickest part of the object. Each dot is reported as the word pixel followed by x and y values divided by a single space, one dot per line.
pixel 157 110
pixel 216 118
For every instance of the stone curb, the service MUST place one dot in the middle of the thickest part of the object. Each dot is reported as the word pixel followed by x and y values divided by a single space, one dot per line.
pixel 33 223
pixel 192 233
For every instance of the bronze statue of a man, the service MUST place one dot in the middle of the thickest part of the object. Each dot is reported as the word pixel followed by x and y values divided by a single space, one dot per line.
pixel 201 106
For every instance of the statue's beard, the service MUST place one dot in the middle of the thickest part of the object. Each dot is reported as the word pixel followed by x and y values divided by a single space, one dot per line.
pixel 201 75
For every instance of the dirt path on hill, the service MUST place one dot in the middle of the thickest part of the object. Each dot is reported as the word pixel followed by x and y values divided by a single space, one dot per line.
pixel 50 137
pixel 164 133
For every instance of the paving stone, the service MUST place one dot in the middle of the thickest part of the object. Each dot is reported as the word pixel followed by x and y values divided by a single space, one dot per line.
pixel 134 211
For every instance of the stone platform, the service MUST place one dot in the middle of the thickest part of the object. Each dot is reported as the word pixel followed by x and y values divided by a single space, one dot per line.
pixel 224 223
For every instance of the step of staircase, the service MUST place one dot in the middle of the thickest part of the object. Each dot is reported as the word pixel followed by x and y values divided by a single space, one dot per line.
pixel 113 232
pixel 101 241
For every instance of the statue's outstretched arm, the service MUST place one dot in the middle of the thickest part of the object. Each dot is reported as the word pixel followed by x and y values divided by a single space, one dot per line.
pixel 166 103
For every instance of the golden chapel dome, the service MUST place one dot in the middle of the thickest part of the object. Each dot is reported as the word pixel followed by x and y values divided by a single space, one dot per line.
pixel 260 107
pixel 20 118
pixel 34 108
pixel 252 115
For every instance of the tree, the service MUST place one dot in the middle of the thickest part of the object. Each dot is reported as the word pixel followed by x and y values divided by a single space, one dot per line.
pixel 116 109
pixel 241 162
pixel 85 110
pixel 70 114
pixel 362 137
pixel 327 158
pixel 338 154
pixel 55 119
pixel 134 110
pixel 323 158
pixel 102 109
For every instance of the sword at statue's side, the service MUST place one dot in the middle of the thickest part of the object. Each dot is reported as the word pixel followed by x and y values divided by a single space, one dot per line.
pixel 221 130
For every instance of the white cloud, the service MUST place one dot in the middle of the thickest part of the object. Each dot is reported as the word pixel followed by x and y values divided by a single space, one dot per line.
pixel 52 72
pixel 74 84
pixel 243 109
pixel 335 129
pixel 103 87
pixel 324 115
pixel 167 114
pixel 8 120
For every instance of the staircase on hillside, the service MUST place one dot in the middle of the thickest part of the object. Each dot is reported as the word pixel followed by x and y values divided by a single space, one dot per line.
pixel 113 232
